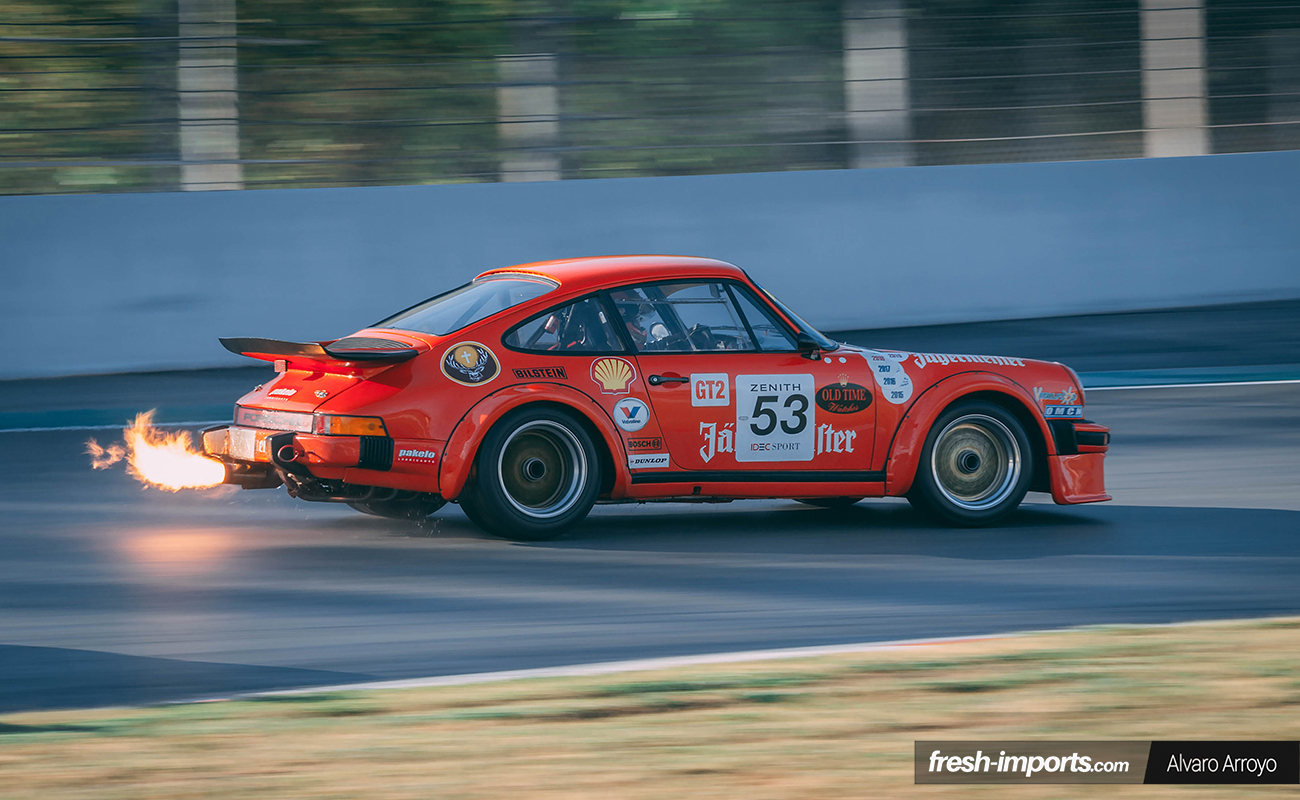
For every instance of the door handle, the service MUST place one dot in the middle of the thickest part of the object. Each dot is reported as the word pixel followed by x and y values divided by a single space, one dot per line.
pixel 656 380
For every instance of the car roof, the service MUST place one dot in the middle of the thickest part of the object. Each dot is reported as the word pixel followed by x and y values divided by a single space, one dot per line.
pixel 582 274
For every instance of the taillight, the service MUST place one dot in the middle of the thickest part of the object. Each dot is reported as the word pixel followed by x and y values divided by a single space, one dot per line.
pixel 339 425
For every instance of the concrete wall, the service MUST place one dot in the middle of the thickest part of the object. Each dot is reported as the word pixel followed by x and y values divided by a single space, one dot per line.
pixel 101 283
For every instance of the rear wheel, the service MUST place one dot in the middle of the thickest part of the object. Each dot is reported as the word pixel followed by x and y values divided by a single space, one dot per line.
pixel 829 502
pixel 976 466
pixel 537 474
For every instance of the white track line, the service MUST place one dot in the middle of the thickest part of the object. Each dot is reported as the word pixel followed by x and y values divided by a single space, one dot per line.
pixel 1190 385
pixel 645 664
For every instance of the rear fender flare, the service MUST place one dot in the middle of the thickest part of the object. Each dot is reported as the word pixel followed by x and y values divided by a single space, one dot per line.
pixel 462 446
pixel 904 454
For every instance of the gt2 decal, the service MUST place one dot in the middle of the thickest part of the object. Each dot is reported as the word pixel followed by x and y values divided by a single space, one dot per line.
pixel 843 397
pixel 631 414
pixel 921 359
pixel 469 364
pixel 887 368
pixel 648 460
pixel 613 375
pixel 775 418
pixel 710 389
pixel 717 441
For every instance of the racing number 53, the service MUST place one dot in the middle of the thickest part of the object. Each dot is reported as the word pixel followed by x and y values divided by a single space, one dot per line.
pixel 798 415
pixel 775 417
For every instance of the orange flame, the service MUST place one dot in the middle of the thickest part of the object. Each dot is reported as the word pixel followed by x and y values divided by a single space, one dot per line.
pixel 165 460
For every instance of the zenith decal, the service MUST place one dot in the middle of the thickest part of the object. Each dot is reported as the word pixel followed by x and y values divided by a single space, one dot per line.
pixel 921 359
pixel 469 364
pixel 843 397
pixel 631 414
pixel 424 456
pixel 554 373
pixel 648 443
pixel 710 389
pixel 613 375
pixel 648 460
pixel 283 392
pixel 887 368
pixel 775 418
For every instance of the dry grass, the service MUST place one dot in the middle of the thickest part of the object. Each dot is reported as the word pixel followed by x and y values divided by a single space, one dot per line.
pixel 831 727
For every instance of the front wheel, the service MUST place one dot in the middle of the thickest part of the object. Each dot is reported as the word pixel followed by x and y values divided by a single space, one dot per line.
pixel 536 475
pixel 976 466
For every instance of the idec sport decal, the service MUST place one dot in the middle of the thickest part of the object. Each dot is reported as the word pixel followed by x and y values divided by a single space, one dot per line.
pixel 631 414
pixel 469 364
pixel 775 418
pixel 843 397
pixel 887 368
pixel 613 375
pixel 549 373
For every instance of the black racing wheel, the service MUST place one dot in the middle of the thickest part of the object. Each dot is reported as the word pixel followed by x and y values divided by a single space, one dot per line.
pixel 976 465
pixel 536 474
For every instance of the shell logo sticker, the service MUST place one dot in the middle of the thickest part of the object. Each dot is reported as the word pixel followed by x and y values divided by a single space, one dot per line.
pixel 469 364
pixel 613 375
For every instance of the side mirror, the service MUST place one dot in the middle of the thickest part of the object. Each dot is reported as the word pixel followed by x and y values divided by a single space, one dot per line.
pixel 808 347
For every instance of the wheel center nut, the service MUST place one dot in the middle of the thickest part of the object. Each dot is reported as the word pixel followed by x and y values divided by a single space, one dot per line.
pixel 968 462
pixel 534 469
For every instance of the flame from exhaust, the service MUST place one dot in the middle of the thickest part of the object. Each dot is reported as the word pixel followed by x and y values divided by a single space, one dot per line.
pixel 165 460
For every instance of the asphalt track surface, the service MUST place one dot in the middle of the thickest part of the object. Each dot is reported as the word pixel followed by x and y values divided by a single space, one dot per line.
pixel 111 593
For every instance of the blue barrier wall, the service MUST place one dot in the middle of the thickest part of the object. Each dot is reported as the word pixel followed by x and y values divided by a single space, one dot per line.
pixel 102 283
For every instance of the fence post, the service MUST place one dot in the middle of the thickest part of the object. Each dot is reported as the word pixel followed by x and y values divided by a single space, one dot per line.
pixel 876 102
pixel 1174 112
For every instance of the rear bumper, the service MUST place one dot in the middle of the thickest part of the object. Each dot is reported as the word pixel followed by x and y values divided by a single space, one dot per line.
pixel 258 458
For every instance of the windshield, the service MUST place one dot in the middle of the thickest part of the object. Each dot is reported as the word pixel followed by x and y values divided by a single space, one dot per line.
pixel 822 341
pixel 472 302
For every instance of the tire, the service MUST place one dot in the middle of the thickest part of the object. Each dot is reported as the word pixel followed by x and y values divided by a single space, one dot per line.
pixel 975 467
pixel 829 502
pixel 414 510
pixel 537 474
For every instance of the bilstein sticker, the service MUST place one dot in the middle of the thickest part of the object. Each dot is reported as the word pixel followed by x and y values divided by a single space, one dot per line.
pixel 843 397
pixel 469 364
pixel 552 373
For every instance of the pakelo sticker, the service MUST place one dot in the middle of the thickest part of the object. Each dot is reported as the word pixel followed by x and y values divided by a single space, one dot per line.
pixel 549 373
pixel 648 460
pixel 631 414
pixel 843 397
pixel 613 375
pixel 710 389
pixel 283 392
pixel 422 456
pixel 887 368
pixel 646 443
pixel 469 364
pixel 775 418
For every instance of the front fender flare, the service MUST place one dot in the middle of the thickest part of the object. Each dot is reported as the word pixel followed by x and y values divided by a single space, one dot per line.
pixel 909 438
pixel 458 456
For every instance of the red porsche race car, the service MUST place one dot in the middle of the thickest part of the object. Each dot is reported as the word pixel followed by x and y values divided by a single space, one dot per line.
pixel 533 392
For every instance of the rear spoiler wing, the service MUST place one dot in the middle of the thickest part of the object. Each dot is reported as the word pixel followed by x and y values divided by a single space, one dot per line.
pixel 353 352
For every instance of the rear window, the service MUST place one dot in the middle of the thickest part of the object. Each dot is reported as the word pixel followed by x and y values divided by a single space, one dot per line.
pixel 448 313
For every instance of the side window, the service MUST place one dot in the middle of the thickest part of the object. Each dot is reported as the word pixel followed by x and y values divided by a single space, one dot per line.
pixel 578 328
pixel 681 318
pixel 770 333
